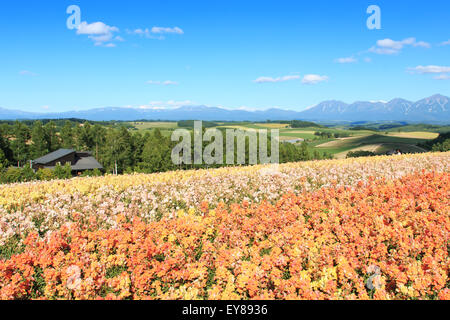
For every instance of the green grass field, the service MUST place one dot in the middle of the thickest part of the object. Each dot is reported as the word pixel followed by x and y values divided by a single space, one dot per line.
pixel 404 138
pixel 377 143
pixel 153 125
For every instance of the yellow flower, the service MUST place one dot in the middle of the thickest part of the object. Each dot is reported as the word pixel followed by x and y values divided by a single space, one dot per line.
pixel 180 213
pixel 172 238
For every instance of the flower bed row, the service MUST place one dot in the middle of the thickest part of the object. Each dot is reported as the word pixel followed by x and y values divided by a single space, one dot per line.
pixel 46 206
pixel 381 239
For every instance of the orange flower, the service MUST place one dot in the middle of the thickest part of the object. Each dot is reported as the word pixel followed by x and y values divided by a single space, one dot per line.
pixel 324 244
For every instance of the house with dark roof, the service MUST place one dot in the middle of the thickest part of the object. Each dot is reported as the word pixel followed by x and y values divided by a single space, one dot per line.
pixel 79 161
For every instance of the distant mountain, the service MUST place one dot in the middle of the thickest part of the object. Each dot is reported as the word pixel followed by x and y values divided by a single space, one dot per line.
pixel 6 114
pixel 433 109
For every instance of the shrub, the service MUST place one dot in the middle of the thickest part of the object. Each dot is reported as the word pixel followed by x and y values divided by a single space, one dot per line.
pixel 357 154
pixel 63 172
pixel 92 173
pixel 12 175
pixel 27 174
pixel 45 174
pixel 442 147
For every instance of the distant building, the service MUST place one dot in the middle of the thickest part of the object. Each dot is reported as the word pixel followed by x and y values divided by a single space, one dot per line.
pixel 394 152
pixel 79 161
pixel 293 141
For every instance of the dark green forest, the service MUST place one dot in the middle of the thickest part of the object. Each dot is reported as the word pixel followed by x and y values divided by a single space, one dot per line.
pixel 440 144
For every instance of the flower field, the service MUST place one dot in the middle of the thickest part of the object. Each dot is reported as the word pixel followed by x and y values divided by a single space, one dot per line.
pixel 364 228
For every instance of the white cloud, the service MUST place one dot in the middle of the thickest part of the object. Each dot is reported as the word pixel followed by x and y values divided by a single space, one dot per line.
pixel 175 30
pixel 368 60
pixel 27 73
pixel 314 79
pixel 422 44
pixel 158 105
pixel 243 108
pixel 100 33
pixel 445 43
pixel 279 79
pixel 145 33
pixel 137 31
pixel 146 107
pixel 307 79
pixel 45 107
pixel 378 101
pixel 346 60
pixel 155 32
pixel 430 69
pixel 164 83
pixel 99 40
pixel 389 46
pixel 440 72
pixel 141 32
pixel 168 83
pixel 442 77
pixel 97 28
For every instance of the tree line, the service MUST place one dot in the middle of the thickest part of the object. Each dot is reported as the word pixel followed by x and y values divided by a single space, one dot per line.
pixel 113 146
pixel 329 135
pixel 440 144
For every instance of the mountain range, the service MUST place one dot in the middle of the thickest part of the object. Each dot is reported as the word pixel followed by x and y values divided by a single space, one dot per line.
pixel 429 110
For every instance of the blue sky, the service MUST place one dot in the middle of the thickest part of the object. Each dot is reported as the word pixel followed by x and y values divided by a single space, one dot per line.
pixel 252 54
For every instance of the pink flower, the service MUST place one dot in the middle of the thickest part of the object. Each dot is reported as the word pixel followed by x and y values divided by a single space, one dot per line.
pixel 74 280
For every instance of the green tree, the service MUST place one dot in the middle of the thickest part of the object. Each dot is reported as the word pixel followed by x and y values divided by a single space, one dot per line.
pixel 98 140
pixel 156 154
pixel 6 154
pixel 77 137
pixel 27 174
pixel 118 150
pixel 39 146
pixel 304 153
pixel 3 160
pixel 20 143
pixel 138 145
pixel 442 146
pixel 360 153
pixel 66 134
pixel 87 136
pixel 51 136
pixel 63 172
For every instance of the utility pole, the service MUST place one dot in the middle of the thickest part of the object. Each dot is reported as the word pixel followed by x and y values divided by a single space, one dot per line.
pixel 115 156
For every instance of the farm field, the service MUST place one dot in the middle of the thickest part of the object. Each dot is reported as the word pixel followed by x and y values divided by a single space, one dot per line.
pixel 413 135
pixel 382 148
pixel 365 228
pixel 152 125
pixel 377 143
pixel 404 138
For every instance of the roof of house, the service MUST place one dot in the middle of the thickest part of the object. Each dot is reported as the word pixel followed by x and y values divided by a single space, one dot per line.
pixel 54 156
pixel 293 140
pixel 87 163
pixel 84 160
